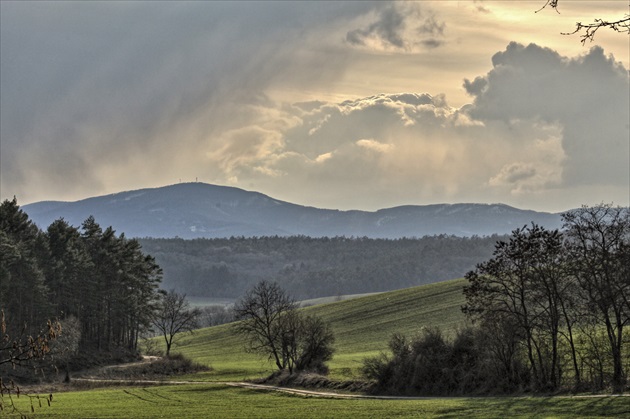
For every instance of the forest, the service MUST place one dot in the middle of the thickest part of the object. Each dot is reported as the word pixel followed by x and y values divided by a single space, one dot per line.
pixel 313 267
pixel 97 286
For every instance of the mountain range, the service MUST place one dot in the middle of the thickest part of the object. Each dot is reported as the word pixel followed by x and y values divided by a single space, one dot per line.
pixel 200 210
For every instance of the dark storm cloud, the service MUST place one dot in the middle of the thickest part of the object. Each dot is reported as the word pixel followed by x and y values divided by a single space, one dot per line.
pixel 399 26
pixel 389 27
pixel 93 88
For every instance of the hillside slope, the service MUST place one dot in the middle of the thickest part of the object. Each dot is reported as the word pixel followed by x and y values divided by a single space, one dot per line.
pixel 196 210
pixel 362 327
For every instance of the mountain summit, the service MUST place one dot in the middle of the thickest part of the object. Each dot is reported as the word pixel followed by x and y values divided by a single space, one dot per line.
pixel 199 210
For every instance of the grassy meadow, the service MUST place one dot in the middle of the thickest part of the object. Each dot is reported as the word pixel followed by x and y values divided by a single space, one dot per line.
pixel 362 327
pixel 218 400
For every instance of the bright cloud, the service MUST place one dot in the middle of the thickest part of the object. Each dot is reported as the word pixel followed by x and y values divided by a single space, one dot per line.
pixel 516 138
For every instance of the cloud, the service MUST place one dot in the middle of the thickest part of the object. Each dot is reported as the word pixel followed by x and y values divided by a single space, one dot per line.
pixel 514 172
pixel 90 90
pixel 430 26
pixel 401 147
pixel 542 171
pixel 587 96
pixel 388 29
pixel 399 27
pixel 102 96
pixel 480 7
pixel 374 145
pixel 527 134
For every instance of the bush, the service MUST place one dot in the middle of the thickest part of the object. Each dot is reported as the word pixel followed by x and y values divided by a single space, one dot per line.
pixel 432 365
pixel 315 345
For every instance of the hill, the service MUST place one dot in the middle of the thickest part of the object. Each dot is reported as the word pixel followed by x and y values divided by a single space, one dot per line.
pixel 199 210
pixel 362 327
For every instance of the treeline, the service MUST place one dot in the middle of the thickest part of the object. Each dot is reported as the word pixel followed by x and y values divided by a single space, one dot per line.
pixel 313 267
pixel 549 312
pixel 89 278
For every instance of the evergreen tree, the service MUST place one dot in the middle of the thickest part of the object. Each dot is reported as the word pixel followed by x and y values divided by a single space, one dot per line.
pixel 23 293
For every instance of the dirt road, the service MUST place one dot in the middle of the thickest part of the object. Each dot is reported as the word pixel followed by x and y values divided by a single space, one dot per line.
pixel 305 393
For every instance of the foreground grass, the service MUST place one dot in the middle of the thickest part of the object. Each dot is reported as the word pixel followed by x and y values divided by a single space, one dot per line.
pixel 221 401
pixel 362 327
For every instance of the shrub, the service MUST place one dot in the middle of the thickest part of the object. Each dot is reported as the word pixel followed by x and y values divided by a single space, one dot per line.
pixel 432 365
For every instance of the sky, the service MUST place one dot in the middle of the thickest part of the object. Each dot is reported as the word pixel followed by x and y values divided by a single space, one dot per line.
pixel 345 105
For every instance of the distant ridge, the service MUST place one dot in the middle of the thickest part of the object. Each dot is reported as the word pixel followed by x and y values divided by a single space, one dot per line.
pixel 200 210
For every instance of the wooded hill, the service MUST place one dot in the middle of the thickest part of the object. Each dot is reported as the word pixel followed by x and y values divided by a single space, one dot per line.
pixel 313 267
pixel 199 210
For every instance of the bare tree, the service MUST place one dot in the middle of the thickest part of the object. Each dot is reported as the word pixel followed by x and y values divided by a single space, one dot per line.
pixel 599 239
pixel 269 319
pixel 174 316
pixel 66 345
pixel 526 282
pixel 621 25
pixel 216 315
pixel 259 313
pixel 22 351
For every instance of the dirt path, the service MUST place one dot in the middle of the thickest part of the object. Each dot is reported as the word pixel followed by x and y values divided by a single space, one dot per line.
pixel 146 359
pixel 310 393
pixel 252 386
pixel 93 378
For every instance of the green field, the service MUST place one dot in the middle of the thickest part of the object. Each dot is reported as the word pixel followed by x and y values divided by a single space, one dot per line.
pixel 362 327
pixel 220 401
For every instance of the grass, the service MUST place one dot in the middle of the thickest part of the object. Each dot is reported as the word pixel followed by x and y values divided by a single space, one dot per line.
pixel 362 327
pixel 220 401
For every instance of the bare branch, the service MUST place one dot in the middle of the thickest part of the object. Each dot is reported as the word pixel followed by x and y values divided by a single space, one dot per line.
pixel 21 351
pixel 551 3
pixel 622 25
